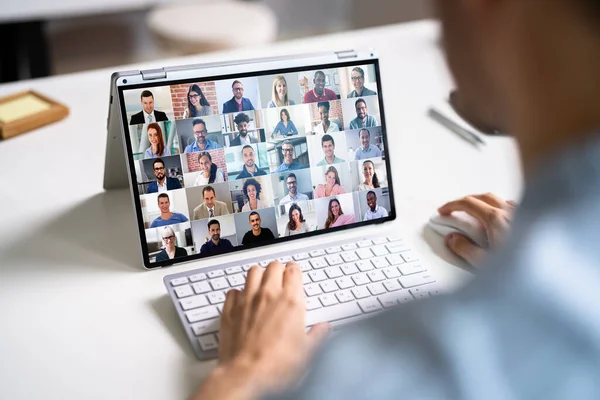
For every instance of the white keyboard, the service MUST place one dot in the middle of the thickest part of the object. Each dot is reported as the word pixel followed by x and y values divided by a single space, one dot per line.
pixel 342 283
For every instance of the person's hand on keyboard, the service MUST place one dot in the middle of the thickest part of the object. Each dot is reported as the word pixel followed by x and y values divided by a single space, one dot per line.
pixel 264 345
pixel 492 212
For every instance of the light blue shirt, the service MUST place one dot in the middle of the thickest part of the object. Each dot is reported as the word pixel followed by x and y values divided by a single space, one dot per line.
pixel 370 121
pixel 176 218
pixel 379 212
pixel 336 160
pixel 528 327
pixel 272 104
pixel 290 167
pixel 371 152
pixel 149 154
pixel 210 145
pixel 289 199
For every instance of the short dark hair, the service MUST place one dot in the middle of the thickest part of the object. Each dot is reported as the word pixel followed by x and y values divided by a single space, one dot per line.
pixel 254 183
pixel 212 222
pixel 197 121
pixel 323 104
pixel 372 192
pixel 287 142
pixel 241 117
pixel 319 73
pixel 146 93
pixel 236 81
pixel 253 213
pixel 327 138
pixel 158 160
pixel 364 129
pixel 359 70
pixel 360 100
pixel 247 146
pixel 162 195
pixel 208 189
pixel 291 175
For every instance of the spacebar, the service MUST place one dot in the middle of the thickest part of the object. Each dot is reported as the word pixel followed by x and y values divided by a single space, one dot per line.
pixel 332 313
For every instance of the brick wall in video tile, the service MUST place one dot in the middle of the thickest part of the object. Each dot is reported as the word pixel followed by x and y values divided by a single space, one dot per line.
pixel 179 93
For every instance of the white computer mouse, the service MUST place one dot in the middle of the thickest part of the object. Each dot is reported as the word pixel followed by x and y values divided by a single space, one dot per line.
pixel 460 222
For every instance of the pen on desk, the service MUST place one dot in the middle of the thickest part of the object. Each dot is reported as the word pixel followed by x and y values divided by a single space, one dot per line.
pixel 456 128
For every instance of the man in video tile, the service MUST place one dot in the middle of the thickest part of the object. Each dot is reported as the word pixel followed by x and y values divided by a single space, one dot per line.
pixel 257 234
pixel 148 114
pixel 216 244
pixel 162 182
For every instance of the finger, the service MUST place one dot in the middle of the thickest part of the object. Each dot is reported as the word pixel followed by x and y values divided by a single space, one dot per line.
pixel 272 279
pixel 512 203
pixel 474 207
pixel 253 280
pixel 248 298
pixel 292 280
pixel 491 199
pixel 227 342
pixel 464 248
pixel 317 334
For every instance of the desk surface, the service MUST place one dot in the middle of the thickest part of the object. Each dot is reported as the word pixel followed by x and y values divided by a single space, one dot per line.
pixel 81 319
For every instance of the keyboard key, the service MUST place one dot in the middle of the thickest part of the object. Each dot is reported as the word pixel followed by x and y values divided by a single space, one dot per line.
pixel 305 266
pixel 233 270
pixel 379 250
pixel 394 259
pixel 216 297
pixel 412 268
pixel 208 342
pixel 364 266
pixel 264 263
pixel 318 263
pixel 220 308
pixel 216 273
pixel 219 283
pixel 364 253
pixel 349 256
pixel 285 259
pixel 369 305
pixel 201 287
pixel 375 276
pixel 236 280
pixel 403 296
pixel 392 285
pixel 306 279
pixel 317 253
pixel 394 238
pixel 409 256
pixel 206 326
pixel 312 289
pixel 365 243
pixel 360 279
pixel 360 292
pixel 317 276
pixel 328 299
pixel 333 249
pixel 380 240
pixel 301 256
pixel 193 302
pixel 391 272
pixel 344 296
pixel 421 292
pixel 200 314
pixel 246 267
pixel 345 282
pixel 397 247
pixel 380 262
pixel 329 286
pixel 179 281
pixel 197 277
pixel 332 313
pixel 416 280
pixel 376 289
pixel 349 246
pixel 349 269
pixel 183 291
pixel 334 259
pixel 312 303
pixel 333 272
pixel 388 300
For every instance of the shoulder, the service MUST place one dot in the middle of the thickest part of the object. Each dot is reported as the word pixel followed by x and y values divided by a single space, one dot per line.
pixel 292 102
pixel 271 104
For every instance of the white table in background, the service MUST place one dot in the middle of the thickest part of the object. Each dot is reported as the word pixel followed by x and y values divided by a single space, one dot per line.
pixel 79 316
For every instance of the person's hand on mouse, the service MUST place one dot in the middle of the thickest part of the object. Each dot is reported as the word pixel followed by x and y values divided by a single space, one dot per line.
pixel 263 344
pixel 492 212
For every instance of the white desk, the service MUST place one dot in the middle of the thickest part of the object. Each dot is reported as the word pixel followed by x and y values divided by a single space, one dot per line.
pixel 81 319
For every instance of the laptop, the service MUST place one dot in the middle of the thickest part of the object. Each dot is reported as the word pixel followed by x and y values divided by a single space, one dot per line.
pixel 231 157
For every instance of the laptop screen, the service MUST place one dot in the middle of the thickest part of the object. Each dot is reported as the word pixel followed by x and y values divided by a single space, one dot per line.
pixel 232 162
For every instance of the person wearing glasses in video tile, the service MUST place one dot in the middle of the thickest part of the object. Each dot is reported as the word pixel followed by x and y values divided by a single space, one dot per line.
pixel 162 182
pixel 197 105
pixel 170 250
pixel 287 148
pixel 358 81
pixel 238 102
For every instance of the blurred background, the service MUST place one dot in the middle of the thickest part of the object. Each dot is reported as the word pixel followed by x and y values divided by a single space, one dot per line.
pixel 44 37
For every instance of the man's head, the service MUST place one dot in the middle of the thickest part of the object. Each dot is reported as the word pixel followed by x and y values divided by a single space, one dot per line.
pixel 163 203
pixel 372 200
pixel 214 230
pixel 209 196
pixel 319 81
pixel 238 89
pixel 323 107
pixel 328 145
pixel 254 220
pixel 242 120
pixel 361 108
pixel 248 156
pixel 358 79
pixel 287 148
pixel 200 132
pixel 158 166
pixel 365 138
pixel 147 99
pixel 292 184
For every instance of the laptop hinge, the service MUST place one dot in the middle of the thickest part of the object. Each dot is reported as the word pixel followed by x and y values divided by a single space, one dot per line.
pixel 151 74
pixel 346 54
